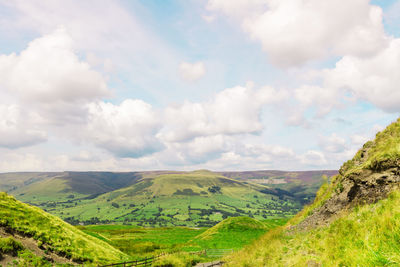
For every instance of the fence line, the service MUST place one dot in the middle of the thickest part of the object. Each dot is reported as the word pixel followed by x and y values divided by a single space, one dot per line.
pixel 141 262
pixel 148 261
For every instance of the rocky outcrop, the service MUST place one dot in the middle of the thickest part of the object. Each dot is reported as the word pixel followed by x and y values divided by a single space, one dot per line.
pixel 363 180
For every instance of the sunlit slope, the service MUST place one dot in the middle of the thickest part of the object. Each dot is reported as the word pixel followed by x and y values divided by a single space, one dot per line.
pixel 13 181
pixel 354 221
pixel 199 198
pixel 38 188
pixel 53 234
pixel 235 232
pixel 367 236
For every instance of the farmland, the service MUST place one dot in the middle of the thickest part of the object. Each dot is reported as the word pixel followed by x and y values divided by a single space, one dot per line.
pixel 164 198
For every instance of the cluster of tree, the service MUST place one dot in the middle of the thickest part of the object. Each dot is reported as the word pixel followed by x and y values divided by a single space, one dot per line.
pixel 214 189
pixel 186 192
pixel 94 220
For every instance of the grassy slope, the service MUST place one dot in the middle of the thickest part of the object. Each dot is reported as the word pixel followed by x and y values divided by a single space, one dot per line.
pixel 366 236
pixel 235 232
pixel 166 199
pixel 384 150
pixel 54 234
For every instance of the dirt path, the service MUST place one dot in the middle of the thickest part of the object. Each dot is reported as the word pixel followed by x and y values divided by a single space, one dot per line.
pixel 31 244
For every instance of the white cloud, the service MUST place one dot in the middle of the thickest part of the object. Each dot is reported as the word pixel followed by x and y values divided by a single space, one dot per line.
pixel 199 150
pixel 294 32
pixel 313 158
pixel 13 161
pixel 232 111
pixel 109 29
pixel 333 143
pixel 50 77
pixel 17 128
pixel 192 71
pixel 49 71
pixel 315 96
pixel 374 79
pixel 127 130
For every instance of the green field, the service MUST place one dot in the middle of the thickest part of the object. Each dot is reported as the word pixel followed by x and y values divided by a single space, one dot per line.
pixel 138 242
pixel 195 199
pixel 164 198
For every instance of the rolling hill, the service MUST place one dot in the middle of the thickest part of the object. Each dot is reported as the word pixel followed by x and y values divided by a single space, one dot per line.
pixel 301 185
pixel 354 220
pixel 145 198
pixel 36 238
pixel 199 198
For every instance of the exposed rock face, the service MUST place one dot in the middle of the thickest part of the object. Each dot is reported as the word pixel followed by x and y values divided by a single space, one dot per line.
pixel 363 180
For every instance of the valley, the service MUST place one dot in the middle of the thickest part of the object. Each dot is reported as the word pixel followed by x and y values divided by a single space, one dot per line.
pixel 165 198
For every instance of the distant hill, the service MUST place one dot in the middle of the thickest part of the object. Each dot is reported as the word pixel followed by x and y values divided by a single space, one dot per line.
pixel 200 198
pixel 301 185
pixel 354 220
pixel 137 197
pixel 36 238
pixel 59 186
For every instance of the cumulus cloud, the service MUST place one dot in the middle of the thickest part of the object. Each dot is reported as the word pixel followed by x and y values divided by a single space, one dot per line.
pixel 198 150
pixel 374 79
pixel 232 111
pixel 60 77
pixel 126 130
pixel 316 96
pixel 17 128
pixel 191 71
pixel 49 76
pixel 294 32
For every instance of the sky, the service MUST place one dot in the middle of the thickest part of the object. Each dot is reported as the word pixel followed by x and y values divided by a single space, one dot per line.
pixel 102 85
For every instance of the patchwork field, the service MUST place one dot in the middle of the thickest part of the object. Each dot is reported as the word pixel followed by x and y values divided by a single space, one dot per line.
pixel 164 198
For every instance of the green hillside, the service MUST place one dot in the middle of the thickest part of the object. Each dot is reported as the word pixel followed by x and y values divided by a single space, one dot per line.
pixel 235 232
pixel 38 188
pixel 199 198
pixel 50 235
pixel 354 221
pixel 88 197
